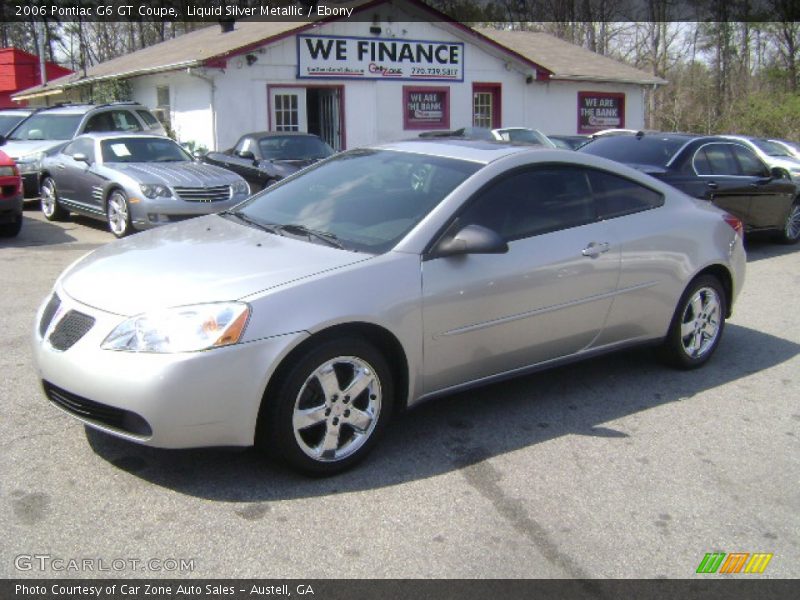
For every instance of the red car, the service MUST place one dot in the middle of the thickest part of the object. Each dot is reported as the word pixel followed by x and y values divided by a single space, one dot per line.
pixel 10 197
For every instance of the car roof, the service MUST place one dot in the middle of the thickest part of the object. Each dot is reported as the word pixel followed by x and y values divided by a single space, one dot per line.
pixel 117 135
pixel 80 109
pixel 263 134
pixel 479 151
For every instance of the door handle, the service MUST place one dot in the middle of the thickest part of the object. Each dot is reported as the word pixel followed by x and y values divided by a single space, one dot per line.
pixel 595 249
pixel 712 184
pixel 60 166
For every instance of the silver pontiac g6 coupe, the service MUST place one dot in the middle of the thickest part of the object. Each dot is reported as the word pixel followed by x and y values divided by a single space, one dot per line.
pixel 134 182
pixel 301 320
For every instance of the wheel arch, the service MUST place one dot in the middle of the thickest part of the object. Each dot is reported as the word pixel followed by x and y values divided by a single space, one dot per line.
pixel 112 187
pixel 380 337
pixel 723 275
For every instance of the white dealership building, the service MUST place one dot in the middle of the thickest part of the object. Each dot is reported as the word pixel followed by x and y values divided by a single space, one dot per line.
pixel 389 71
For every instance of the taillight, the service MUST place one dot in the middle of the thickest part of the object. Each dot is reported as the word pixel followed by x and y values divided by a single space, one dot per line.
pixel 735 223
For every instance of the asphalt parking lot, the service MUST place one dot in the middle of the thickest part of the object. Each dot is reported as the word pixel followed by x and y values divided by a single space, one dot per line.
pixel 618 467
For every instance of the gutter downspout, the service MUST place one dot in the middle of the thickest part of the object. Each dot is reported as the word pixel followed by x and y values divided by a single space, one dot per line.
pixel 213 87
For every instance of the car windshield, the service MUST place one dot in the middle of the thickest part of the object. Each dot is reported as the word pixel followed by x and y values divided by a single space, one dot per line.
pixel 138 150
pixel 368 199
pixel 527 136
pixel 8 122
pixel 46 126
pixel 293 147
pixel 771 148
pixel 646 150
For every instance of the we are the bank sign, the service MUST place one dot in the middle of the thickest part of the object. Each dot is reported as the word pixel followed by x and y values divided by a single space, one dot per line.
pixel 340 57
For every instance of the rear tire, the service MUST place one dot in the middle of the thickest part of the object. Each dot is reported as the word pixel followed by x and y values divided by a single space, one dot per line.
pixel 328 411
pixel 9 230
pixel 697 325
pixel 51 207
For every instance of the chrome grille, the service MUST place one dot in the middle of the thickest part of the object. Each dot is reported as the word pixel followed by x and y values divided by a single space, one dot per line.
pixel 49 313
pixel 70 329
pixel 216 193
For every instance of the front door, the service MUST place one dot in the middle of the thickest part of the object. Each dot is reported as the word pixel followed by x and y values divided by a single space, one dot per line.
pixel 547 297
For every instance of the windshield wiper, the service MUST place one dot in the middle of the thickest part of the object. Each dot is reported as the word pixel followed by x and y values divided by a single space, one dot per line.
pixel 268 227
pixel 328 238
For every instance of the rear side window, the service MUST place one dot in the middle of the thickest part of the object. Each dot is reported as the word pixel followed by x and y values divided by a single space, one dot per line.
pixel 149 119
pixel 716 159
pixel 125 121
pixel 616 196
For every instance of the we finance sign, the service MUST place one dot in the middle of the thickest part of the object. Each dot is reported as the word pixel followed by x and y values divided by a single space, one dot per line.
pixel 339 57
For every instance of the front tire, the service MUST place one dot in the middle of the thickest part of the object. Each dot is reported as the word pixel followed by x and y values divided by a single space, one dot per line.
pixel 329 410
pixel 697 324
pixel 118 214
pixel 51 207
pixel 791 228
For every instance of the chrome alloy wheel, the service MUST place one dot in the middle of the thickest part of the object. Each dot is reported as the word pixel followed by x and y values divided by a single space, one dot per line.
pixel 118 214
pixel 337 409
pixel 792 227
pixel 48 198
pixel 700 322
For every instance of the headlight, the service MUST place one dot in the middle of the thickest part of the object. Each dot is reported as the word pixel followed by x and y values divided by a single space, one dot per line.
pixel 8 171
pixel 30 163
pixel 181 329
pixel 240 187
pixel 155 190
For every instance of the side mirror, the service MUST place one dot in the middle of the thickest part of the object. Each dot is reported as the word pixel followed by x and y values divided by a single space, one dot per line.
pixel 80 157
pixel 197 154
pixel 778 173
pixel 472 239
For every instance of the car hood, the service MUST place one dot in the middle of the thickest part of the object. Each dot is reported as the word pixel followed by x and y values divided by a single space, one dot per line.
pixel 17 149
pixel 207 259
pixel 183 174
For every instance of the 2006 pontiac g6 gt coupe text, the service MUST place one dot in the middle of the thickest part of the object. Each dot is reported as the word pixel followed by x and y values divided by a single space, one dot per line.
pixel 301 319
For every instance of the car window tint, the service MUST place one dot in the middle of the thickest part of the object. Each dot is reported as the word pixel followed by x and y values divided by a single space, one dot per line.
pixel 616 196
pixel 47 126
pixel 151 121
pixel 719 160
pixel 748 161
pixel 139 150
pixel 293 147
pixel 533 202
pixel 125 121
pixel 243 145
pixel 632 149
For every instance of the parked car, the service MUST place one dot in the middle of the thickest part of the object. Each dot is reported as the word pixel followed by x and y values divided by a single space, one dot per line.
pixel 11 117
pixel 793 148
pixel 772 154
pixel 48 129
pixel 523 135
pixel 303 319
pixel 134 182
pixel 10 197
pixel 569 142
pixel 721 170
pixel 520 135
pixel 264 157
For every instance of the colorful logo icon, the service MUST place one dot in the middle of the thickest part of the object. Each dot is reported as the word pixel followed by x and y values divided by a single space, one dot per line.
pixel 736 562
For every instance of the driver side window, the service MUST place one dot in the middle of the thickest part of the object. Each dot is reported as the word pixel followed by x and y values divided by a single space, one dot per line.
pixel 533 202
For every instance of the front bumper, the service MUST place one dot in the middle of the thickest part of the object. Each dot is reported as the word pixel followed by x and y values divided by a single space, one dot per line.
pixel 185 400
pixel 148 213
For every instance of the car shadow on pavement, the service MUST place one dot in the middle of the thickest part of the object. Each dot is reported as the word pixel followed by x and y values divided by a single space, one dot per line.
pixel 466 428
pixel 760 246
pixel 37 233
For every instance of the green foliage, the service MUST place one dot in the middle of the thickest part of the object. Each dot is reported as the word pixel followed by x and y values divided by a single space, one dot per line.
pixel 767 114
pixel 112 90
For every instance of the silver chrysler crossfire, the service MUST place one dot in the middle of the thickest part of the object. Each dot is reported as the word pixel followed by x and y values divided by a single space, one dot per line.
pixel 133 182
pixel 301 320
